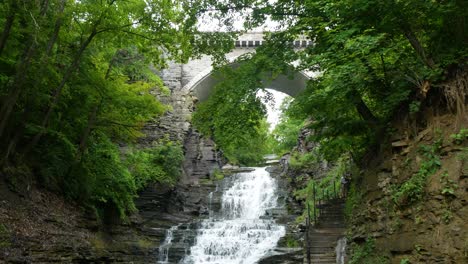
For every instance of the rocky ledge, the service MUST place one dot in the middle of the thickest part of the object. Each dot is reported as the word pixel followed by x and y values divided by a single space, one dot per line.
pixel 41 227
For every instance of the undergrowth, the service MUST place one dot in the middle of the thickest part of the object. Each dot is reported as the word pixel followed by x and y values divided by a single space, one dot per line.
pixel 366 254
pixel 413 189
pixel 327 187
pixel 4 237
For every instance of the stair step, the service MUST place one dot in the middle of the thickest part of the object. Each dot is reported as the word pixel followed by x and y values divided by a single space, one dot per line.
pixel 324 239
pixel 321 250
pixel 332 220
pixel 328 225
pixel 322 255
pixel 325 234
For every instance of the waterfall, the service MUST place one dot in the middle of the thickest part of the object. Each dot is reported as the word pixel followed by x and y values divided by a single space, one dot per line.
pixel 241 233
pixel 166 245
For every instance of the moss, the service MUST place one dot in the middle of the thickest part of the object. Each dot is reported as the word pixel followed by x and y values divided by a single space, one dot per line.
pixel 205 181
pixel 291 242
pixel 97 242
pixel 413 190
pixel 353 200
pixel 4 237
pixel 218 175
pixel 145 243
pixel 366 253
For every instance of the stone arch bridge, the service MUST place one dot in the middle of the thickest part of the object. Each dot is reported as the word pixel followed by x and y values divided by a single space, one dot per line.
pixel 196 76
pixel 192 82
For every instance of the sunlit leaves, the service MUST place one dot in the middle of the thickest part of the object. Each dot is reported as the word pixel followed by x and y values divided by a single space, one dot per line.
pixel 80 76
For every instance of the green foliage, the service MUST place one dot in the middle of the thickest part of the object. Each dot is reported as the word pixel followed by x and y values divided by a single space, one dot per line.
pixel 405 261
pixel 418 248
pixel 77 80
pixel 287 130
pixel 4 237
pixel 366 253
pixel 299 161
pixel 102 179
pixel 325 188
pixel 414 107
pixel 291 242
pixel 460 137
pixel 413 189
pixel 218 174
pixel 448 185
pixel 235 117
pixel 447 216
pixel 353 201
pixel 160 163
pixel 374 58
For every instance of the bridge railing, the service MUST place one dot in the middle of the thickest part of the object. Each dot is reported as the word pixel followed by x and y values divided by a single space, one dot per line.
pixel 257 43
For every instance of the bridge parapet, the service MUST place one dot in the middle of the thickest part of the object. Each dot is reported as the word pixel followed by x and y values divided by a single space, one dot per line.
pixel 255 39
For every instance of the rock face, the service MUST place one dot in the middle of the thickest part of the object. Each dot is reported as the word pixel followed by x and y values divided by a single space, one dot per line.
pixel 432 229
pixel 289 249
pixel 43 228
pixel 201 158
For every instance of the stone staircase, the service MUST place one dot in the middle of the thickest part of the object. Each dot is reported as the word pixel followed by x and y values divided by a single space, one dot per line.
pixel 324 235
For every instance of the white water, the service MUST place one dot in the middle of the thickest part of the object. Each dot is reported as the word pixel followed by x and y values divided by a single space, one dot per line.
pixel 239 235
pixel 166 245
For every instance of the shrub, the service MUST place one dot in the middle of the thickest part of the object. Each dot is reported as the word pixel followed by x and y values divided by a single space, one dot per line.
pixel 413 189
pixel 366 253
pixel 160 163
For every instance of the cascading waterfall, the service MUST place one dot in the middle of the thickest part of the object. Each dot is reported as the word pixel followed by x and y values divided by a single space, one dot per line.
pixel 166 245
pixel 240 233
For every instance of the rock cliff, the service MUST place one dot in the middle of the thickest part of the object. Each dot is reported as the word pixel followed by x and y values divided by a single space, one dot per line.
pixel 426 224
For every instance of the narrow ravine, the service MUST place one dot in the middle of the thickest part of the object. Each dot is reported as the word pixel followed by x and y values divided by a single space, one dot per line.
pixel 241 232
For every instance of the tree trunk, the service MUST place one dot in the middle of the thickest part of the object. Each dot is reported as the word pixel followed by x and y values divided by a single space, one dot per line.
pixel 414 41
pixel 8 25
pixel 362 108
pixel 20 76
pixel 56 96
pixel 365 112
pixel 87 131
pixel 92 116
pixel 58 25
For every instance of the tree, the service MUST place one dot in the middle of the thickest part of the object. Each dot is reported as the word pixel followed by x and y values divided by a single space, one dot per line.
pixel 373 56
pixel 76 83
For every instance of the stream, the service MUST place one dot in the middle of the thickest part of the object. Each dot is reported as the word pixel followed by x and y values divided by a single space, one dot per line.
pixel 241 232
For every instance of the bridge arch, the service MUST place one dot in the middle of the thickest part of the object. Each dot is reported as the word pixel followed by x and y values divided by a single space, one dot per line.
pixel 202 84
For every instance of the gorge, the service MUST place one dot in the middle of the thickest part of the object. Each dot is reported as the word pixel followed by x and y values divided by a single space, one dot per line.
pixel 130 135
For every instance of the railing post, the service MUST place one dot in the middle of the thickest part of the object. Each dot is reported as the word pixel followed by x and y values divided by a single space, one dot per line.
pixel 315 212
pixel 307 234
pixel 320 205
pixel 334 189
